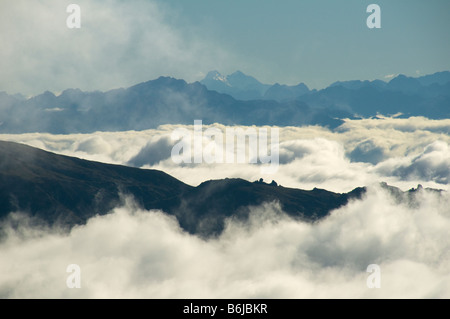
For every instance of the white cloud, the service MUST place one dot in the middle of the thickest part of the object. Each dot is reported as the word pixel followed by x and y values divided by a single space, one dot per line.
pixel 120 43
pixel 155 151
pixel 146 254
pixel 134 253
pixel 402 152
pixel 390 76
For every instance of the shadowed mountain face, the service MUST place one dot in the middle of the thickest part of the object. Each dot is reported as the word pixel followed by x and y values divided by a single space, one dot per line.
pixel 68 191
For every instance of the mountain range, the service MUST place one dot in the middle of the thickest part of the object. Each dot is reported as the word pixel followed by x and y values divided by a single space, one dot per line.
pixel 422 96
pixel 236 99
pixel 148 105
pixel 244 87
pixel 67 191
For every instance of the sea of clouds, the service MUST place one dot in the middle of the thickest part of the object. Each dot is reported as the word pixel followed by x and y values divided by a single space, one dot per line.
pixel 135 253
pixel 401 152
pixel 132 253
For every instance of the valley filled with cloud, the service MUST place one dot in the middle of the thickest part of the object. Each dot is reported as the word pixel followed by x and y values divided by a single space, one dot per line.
pixel 134 253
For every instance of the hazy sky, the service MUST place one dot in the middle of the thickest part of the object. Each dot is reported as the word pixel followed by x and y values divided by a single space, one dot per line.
pixel 121 43
pixel 323 41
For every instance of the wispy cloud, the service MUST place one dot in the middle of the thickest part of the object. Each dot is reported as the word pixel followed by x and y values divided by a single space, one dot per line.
pixel 120 43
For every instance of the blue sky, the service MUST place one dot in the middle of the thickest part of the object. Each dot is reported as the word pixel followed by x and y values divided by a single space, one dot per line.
pixel 320 41
pixel 121 43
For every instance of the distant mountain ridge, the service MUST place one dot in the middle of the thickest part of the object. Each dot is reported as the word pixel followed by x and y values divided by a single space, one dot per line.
pixel 433 85
pixel 171 101
pixel 148 105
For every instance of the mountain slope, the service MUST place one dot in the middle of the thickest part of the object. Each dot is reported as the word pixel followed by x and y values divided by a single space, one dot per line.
pixel 283 93
pixel 68 191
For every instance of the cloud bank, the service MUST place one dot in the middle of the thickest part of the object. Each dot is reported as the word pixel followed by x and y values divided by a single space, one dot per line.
pixel 132 253
pixel 401 152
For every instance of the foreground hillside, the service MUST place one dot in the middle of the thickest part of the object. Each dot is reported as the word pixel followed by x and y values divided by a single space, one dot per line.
pixel 68 191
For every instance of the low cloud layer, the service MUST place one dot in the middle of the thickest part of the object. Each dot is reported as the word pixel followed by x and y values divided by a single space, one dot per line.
pixel 140 254
pixel 431 164
pixel 401 152
pixel 135 253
